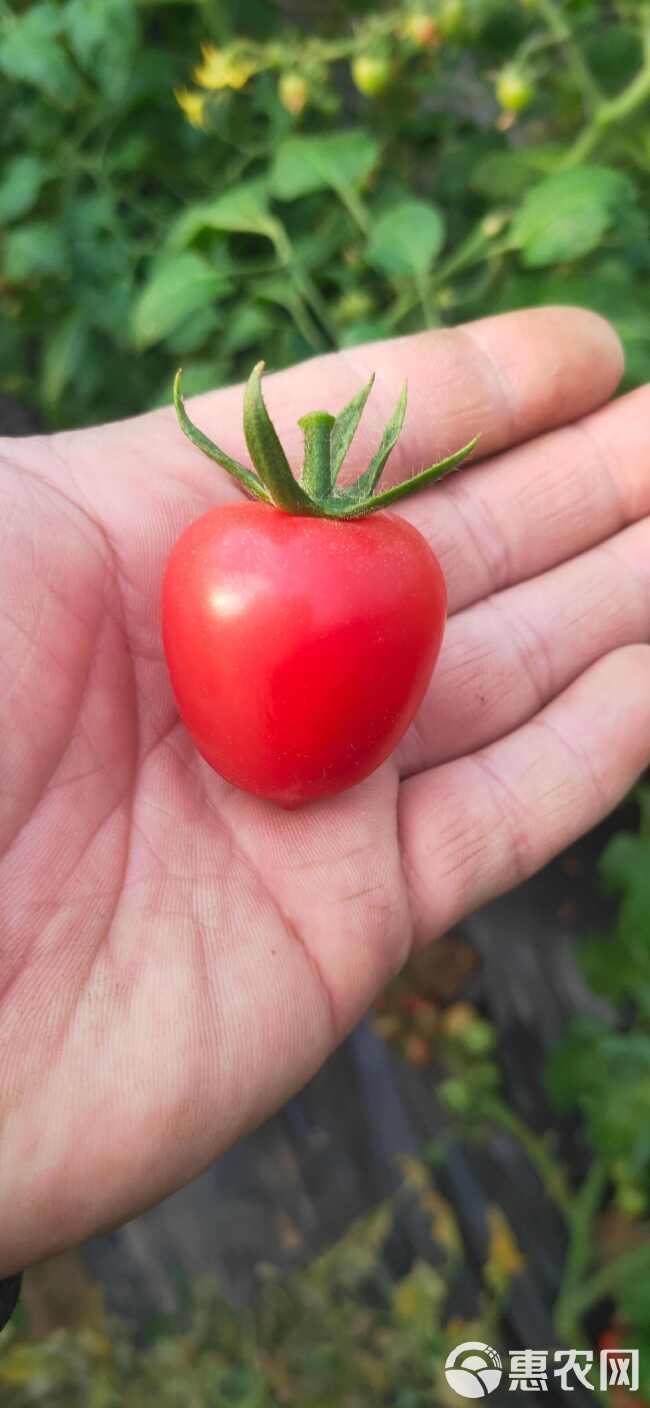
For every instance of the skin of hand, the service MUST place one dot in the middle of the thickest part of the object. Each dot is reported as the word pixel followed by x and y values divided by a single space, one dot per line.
pixel 176 957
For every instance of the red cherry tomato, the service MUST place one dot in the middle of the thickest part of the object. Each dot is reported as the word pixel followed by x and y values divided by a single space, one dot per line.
pixel 299 648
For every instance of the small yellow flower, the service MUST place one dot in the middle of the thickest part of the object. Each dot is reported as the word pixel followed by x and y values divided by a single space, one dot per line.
pixel 223 68
pixel 193 105
pixel 504 1259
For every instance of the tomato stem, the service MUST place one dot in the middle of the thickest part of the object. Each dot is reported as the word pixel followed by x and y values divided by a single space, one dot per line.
pixel 317 429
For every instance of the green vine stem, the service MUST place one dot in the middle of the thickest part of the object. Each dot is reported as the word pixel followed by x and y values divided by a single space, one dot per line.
pixel 471 252
pixel 354 205
pixel 536 1147
pixel 631 1265
pixel 561 32
pixel 611 111
pixel 582 1212
pixel 305 291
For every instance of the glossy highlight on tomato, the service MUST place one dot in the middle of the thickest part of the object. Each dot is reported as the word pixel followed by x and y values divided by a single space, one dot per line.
pixel 299 648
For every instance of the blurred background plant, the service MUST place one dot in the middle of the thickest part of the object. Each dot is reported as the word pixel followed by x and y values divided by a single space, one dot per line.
pixel 599 1070
pixel 343 1333
pixel 202 180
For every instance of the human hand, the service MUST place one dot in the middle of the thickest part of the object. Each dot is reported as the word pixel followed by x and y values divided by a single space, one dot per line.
pixel 177 957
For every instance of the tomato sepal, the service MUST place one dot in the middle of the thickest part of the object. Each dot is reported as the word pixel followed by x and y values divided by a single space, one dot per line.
pixel 327 439
pixel 345 426
pixel 364 486
pixel 238 471
pixel 266 451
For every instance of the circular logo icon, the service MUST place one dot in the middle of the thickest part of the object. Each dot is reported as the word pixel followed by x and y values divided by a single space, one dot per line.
pixel 473 1370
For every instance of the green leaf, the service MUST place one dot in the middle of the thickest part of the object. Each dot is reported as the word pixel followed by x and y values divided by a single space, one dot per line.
pixel 64 354
pixel 30 52
pixel 345 426
pixel 20 186
pixel 567 215
pixel 134 152
pixel 247 326
pixel 365 331
pixel 456 159
pixel 243 210
pixel 617 965
pixel 179 285
pixel 506 175
pixel 320 245
pixel 606 1075
pixel 338 160
pixel 13 347
pixel 615 54
pixel 407 239
pixel 203 327
pixel 634 1300
pixel 37 248
pixel 295 332
pixel 102 35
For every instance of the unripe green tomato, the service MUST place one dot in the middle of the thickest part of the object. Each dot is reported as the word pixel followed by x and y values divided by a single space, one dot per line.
pixel 493 224
pixel 631 1200
pixel 514 90
pixel 455 1096
pixel 477 1039
pixel 293 92
pixel 450 18
pixel 355 305
pixel 371 74
pixel 445 298
pixel 421 29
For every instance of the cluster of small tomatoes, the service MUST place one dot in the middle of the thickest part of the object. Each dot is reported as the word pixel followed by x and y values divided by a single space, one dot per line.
pixel 416 1024
pixel 373 68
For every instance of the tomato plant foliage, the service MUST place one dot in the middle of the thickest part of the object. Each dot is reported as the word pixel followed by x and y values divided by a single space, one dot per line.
pixel 160 198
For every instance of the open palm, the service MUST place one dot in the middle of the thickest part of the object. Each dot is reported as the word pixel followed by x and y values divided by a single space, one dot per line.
pixel 177 957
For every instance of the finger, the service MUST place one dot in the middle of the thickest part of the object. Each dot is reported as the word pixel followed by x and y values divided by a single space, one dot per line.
pixel 499 523
pixel 508 377
pixel 473 829
pixel 507 657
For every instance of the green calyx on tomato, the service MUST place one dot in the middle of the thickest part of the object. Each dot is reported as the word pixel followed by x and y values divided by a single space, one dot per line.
pixel 327 441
